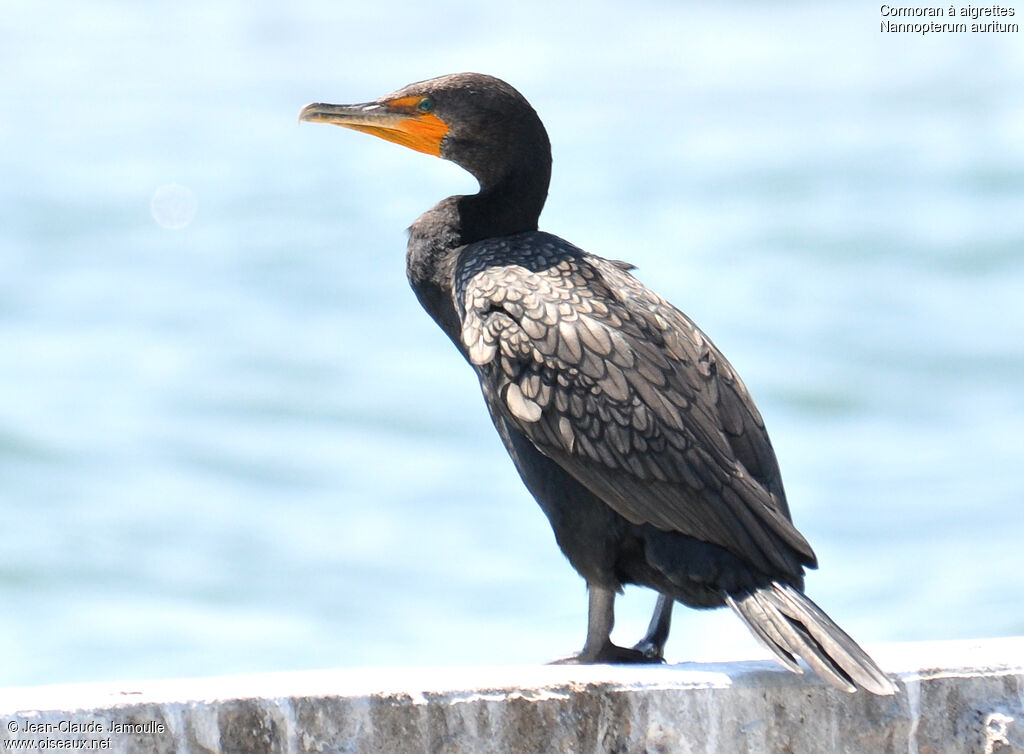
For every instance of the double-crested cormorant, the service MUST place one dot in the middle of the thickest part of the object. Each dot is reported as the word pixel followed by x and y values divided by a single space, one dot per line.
pixel 633 432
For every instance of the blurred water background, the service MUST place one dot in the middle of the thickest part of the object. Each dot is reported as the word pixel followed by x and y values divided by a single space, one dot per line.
pixel 235 443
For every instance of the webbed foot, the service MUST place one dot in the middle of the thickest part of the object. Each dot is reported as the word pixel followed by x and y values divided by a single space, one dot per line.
pixel 651 650
pixel 611 654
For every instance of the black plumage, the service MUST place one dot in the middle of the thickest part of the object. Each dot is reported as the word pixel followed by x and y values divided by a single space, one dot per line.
pixel 630 428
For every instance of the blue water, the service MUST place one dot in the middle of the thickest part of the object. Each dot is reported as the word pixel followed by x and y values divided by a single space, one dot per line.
pixel 213 458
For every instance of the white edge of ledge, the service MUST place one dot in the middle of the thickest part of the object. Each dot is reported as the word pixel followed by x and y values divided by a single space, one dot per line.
pixel 908 662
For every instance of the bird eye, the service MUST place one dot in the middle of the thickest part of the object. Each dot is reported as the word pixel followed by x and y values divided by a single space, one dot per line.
pixel 426 105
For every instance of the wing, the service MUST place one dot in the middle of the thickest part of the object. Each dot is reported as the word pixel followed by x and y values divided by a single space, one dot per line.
pixel 625 393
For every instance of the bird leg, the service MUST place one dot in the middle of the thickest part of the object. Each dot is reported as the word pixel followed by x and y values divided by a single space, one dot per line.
pixel 652 646
pixel 600 620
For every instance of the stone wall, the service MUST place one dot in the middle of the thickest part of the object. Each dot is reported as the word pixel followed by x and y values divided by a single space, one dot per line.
pixel 954 697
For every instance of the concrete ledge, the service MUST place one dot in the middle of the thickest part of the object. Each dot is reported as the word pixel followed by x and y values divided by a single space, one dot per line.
pixel 954 697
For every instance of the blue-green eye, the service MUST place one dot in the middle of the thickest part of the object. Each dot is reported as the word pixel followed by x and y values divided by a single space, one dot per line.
pixel 426 105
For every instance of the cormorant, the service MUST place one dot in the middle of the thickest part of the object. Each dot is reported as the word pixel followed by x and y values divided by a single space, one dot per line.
pixel 629 427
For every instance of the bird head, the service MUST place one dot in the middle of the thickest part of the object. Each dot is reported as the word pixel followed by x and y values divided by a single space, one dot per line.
pixel 476 121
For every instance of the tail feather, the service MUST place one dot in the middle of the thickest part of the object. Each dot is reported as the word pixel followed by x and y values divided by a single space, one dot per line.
pixel 788 623
pixel 762 625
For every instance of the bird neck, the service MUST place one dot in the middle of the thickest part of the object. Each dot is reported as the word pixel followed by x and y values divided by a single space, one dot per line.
pixel 511 204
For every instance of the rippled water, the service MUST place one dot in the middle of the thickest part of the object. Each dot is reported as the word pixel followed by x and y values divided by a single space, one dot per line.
pixel 240 446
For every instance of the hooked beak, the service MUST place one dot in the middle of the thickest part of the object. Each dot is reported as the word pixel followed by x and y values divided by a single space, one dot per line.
pixel 393 121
